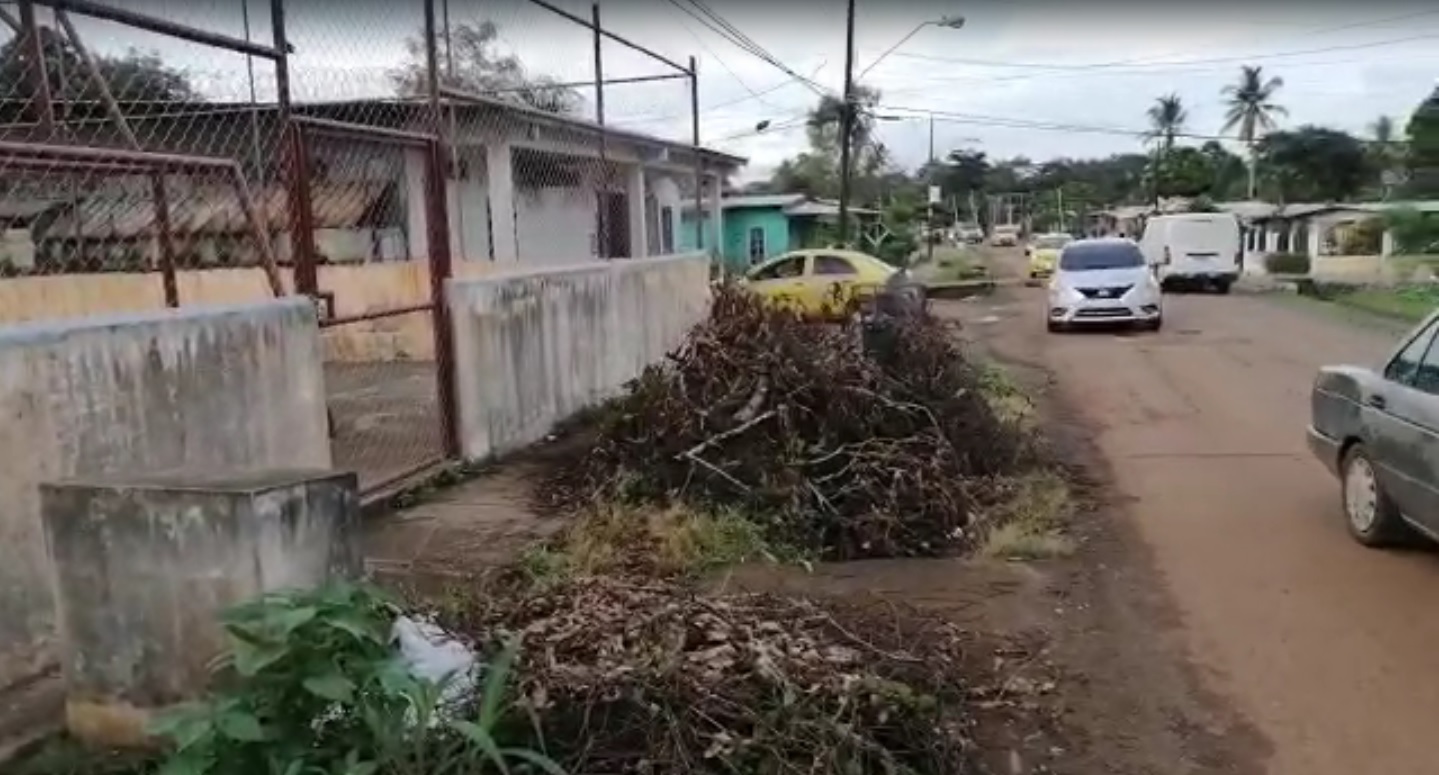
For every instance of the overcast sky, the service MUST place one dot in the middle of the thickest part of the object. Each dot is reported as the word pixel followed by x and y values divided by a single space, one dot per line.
pixel 1039 79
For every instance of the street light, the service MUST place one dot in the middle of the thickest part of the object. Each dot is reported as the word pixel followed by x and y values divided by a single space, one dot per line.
pixel 948 22
pixel 846 127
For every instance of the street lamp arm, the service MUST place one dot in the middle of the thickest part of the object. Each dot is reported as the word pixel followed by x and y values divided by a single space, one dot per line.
pixel 952 22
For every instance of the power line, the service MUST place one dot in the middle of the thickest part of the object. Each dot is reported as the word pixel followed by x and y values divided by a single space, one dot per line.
pixel 654 119
pixel 722 63
pixel 1060 67
pixel 718 25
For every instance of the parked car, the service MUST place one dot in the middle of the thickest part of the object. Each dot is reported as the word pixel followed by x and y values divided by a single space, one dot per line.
pixel 971 234
pixel 1378 431
pixel 1004 236
pixel 1043 252
pixel 1103 281
pixel 834 284
pixel 1193 250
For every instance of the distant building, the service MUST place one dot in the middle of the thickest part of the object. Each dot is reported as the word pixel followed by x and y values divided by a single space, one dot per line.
pixel 760 226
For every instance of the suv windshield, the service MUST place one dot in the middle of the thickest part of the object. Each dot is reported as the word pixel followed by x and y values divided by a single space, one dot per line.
pixel 1084 258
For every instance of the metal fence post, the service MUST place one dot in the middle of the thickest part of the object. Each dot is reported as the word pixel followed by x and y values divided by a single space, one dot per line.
pixel 699 159
pixel 437 218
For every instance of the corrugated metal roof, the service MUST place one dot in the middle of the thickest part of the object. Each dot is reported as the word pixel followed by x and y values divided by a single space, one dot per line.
pixel 761 200
pixel 820 207
pixel 128 214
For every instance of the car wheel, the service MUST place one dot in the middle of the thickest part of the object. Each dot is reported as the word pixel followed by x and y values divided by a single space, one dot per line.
pixel 1372 517
pixel 1156 324
pixel 1222 289
pixel 1053 327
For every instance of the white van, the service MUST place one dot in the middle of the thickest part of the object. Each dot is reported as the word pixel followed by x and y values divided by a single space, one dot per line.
pixel 1193 250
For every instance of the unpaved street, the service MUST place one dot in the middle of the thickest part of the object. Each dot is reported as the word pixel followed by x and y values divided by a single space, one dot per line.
pixel 1330 650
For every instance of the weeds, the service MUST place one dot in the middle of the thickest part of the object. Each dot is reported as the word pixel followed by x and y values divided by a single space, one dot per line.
pixel 651 541
pixel 312 684
pixel 1031 524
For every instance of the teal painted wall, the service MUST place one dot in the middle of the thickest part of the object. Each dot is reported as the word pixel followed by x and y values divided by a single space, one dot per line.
pixel 734 245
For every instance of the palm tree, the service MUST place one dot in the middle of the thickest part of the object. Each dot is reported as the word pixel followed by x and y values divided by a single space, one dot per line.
pixel 1252 108
pixel 1166 120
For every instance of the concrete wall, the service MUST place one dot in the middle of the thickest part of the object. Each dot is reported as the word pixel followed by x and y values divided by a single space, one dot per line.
pixel 533 348
pixel 358 288
pixel 219 389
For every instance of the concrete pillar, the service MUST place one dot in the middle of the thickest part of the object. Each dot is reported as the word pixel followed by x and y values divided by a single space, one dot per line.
pixel 1316 238
pixel 499 168
pixel 1294 246
pixel 1386 244
pixel 635 194
pixel 144 566
pixel 714 227
pixel 416 214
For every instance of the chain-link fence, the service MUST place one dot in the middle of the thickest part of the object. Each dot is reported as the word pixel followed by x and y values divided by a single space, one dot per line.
pixel 169 152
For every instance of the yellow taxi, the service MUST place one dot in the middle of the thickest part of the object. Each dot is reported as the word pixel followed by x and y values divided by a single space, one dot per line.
pixel 822 283
pixel 1043 253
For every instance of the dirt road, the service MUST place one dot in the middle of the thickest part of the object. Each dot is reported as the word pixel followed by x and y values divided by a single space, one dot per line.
pixel 1329 650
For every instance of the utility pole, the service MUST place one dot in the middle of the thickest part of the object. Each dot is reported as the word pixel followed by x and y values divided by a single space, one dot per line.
pixel 846 125
pixel 1059 201
pixel 929 234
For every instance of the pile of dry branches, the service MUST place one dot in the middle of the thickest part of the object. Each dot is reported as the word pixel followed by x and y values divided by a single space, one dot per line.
pixel 653 677
pixel 842 440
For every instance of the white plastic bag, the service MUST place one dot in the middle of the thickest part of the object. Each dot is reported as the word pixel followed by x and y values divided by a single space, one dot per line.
pixel 432 654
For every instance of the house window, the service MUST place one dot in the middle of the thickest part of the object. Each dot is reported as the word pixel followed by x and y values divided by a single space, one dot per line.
pixel 667 230
pixel 756 244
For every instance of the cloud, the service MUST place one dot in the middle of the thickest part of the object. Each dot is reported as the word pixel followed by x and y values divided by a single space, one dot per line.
pixel 1014 77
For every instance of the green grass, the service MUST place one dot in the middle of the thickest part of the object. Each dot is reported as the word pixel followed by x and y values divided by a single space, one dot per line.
pixel 1408 303
pixel 952 265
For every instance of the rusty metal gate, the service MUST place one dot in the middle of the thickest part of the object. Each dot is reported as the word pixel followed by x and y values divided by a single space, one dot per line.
pixel 387 341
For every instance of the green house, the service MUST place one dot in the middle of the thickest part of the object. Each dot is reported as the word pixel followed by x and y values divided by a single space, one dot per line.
pixel 757 227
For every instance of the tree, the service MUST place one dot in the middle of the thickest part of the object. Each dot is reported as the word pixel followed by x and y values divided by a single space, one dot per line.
pixel 1229 172
pixel 1386 153
pixel 816 171
pixel 136 78
pixel 1185 172
pixel 479 69
pixel 1167 117
pixel 1166 120
pixel 1314 164
pixel 1422 155
pixel 1252 108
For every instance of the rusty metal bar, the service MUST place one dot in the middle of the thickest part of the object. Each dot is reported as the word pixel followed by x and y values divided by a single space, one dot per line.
pixel 34 47
pixel 595 27
pixel 441 268
pixel 101 167
pixel 699 158
pixel 98 81
pixel 257 225
pixel 437 222
pixel 576 84
pixel 302 216
pixel 166 240
pixel 11 22
pixel 370 488
pixel 359 317
pixel 156 24
pixel 173 161
pixel 602 220
pixel 345 129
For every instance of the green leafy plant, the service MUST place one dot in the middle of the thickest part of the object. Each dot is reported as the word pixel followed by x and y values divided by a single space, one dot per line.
pixel 1287 263
pixel 311 684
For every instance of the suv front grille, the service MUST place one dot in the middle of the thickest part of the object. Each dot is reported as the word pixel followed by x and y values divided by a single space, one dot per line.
pixel 1113 292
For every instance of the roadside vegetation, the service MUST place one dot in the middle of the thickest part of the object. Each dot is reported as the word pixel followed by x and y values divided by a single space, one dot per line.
pixel 763 439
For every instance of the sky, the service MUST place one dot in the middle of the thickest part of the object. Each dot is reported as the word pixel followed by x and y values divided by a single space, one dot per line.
pixel 1034 78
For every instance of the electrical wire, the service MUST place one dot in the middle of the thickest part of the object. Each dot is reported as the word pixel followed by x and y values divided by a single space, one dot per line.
pixel 1058 67
pixel 730 33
